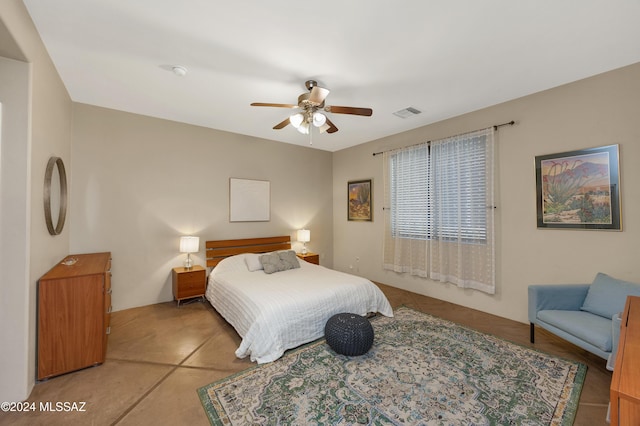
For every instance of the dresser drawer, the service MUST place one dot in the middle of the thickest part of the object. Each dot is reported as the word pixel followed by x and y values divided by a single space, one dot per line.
pixel 191 289
pixel 192 277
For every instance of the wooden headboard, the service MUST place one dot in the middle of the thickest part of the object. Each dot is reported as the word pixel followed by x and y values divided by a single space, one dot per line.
pixel 219 249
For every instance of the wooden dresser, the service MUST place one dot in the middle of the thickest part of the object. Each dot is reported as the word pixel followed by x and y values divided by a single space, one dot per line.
pixel 74 311
pixel 625 384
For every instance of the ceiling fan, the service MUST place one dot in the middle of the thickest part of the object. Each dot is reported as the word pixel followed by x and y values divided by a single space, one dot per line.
pixel 312 106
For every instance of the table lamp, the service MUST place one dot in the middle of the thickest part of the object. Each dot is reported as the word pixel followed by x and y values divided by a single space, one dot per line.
pixel 304 235
pixel 189 244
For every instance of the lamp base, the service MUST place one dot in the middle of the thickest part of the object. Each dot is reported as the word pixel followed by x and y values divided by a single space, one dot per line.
pixel 188 263
pixel 304 249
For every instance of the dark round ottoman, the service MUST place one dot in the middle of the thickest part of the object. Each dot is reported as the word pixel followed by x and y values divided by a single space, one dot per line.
pixel 349 334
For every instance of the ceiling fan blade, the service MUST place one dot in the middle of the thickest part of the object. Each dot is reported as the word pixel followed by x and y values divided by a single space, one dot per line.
pixel 274 105
pixel 281 125
pixel 332 127
pixel 318 95
pixel 349 110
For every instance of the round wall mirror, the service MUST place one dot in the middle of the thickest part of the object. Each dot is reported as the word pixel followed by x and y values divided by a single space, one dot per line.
pixel 55 195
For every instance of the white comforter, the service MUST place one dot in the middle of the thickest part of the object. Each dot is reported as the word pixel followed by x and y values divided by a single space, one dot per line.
pixel 280 311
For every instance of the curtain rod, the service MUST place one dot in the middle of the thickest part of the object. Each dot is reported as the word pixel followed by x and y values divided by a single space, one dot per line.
pixel 495 127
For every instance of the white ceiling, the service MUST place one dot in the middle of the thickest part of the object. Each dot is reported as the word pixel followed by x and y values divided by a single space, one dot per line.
pixel 442 57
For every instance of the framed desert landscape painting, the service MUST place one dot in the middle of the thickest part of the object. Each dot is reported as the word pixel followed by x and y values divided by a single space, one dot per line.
pixel 579 189
pixel 359 200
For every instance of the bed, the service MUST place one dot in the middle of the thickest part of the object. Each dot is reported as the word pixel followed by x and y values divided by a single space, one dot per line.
pixel 285 309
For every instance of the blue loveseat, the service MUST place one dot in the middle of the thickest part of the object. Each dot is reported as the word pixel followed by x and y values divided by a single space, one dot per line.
pixel 587 315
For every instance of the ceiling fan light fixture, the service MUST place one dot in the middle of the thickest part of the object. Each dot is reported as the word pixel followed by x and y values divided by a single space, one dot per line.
pixel 303 128
pixel 319 119
pixel 311 111
pixel 296 120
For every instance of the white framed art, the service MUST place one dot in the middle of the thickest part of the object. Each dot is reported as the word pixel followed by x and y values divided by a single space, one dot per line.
pixel 249 200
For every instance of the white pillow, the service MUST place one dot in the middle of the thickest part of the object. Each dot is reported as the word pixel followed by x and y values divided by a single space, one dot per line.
pixel 253 262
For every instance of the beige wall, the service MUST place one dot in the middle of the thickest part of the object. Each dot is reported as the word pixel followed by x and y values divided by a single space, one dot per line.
pixel 601 110
pixel 46 132
pixel 139 183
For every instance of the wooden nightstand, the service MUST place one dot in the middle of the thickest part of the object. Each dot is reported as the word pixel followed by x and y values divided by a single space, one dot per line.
pixel 310 257
pixel 189 283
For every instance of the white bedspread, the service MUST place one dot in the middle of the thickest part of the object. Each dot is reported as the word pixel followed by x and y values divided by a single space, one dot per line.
pixel 280 311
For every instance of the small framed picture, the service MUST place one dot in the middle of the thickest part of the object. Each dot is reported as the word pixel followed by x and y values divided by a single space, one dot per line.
pixel 579 189
pixel 359 205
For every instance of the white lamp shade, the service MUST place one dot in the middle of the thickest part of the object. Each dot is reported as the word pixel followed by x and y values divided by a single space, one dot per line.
pixel 304 128
pixel 319 119
pixel 189 244
pixel 296 120
pixel 304 235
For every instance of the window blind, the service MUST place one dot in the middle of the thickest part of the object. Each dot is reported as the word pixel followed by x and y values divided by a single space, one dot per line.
pixel 445 183
pixel 409 173
pixel 458 190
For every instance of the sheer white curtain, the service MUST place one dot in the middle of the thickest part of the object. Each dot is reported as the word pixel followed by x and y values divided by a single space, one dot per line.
pixel 462 210
pixel 439 219
pixel 406 247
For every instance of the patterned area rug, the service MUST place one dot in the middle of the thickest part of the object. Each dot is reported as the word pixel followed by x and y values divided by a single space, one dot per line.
pixel 421 370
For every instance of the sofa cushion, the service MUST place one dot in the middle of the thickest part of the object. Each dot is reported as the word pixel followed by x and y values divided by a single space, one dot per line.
pixel 585 326
pixel 607 296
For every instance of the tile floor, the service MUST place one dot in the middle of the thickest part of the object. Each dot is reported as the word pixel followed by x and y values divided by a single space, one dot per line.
pixel 159 355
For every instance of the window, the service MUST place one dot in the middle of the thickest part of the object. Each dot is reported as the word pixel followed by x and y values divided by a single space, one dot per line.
pixel 439 215
pixel 459 174
pixel 458 190
pixel 409 174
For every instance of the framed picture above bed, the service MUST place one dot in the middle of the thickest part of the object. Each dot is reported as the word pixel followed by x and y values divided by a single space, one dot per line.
pixel 360 203
pixel 249 200
pixel 579 189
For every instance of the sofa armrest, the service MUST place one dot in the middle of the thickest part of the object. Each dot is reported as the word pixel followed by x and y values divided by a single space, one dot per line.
pixel 562 297
pixel 616 322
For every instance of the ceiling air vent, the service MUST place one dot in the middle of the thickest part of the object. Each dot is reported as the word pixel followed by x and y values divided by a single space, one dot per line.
pixel 407 112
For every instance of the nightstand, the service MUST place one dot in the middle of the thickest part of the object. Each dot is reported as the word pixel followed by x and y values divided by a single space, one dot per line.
pixel 310 257
pixel 189 283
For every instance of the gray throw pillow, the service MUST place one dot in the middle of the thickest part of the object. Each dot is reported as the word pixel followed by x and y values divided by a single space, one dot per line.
pixel 289 258
pixel 270 263
pixel 279 261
